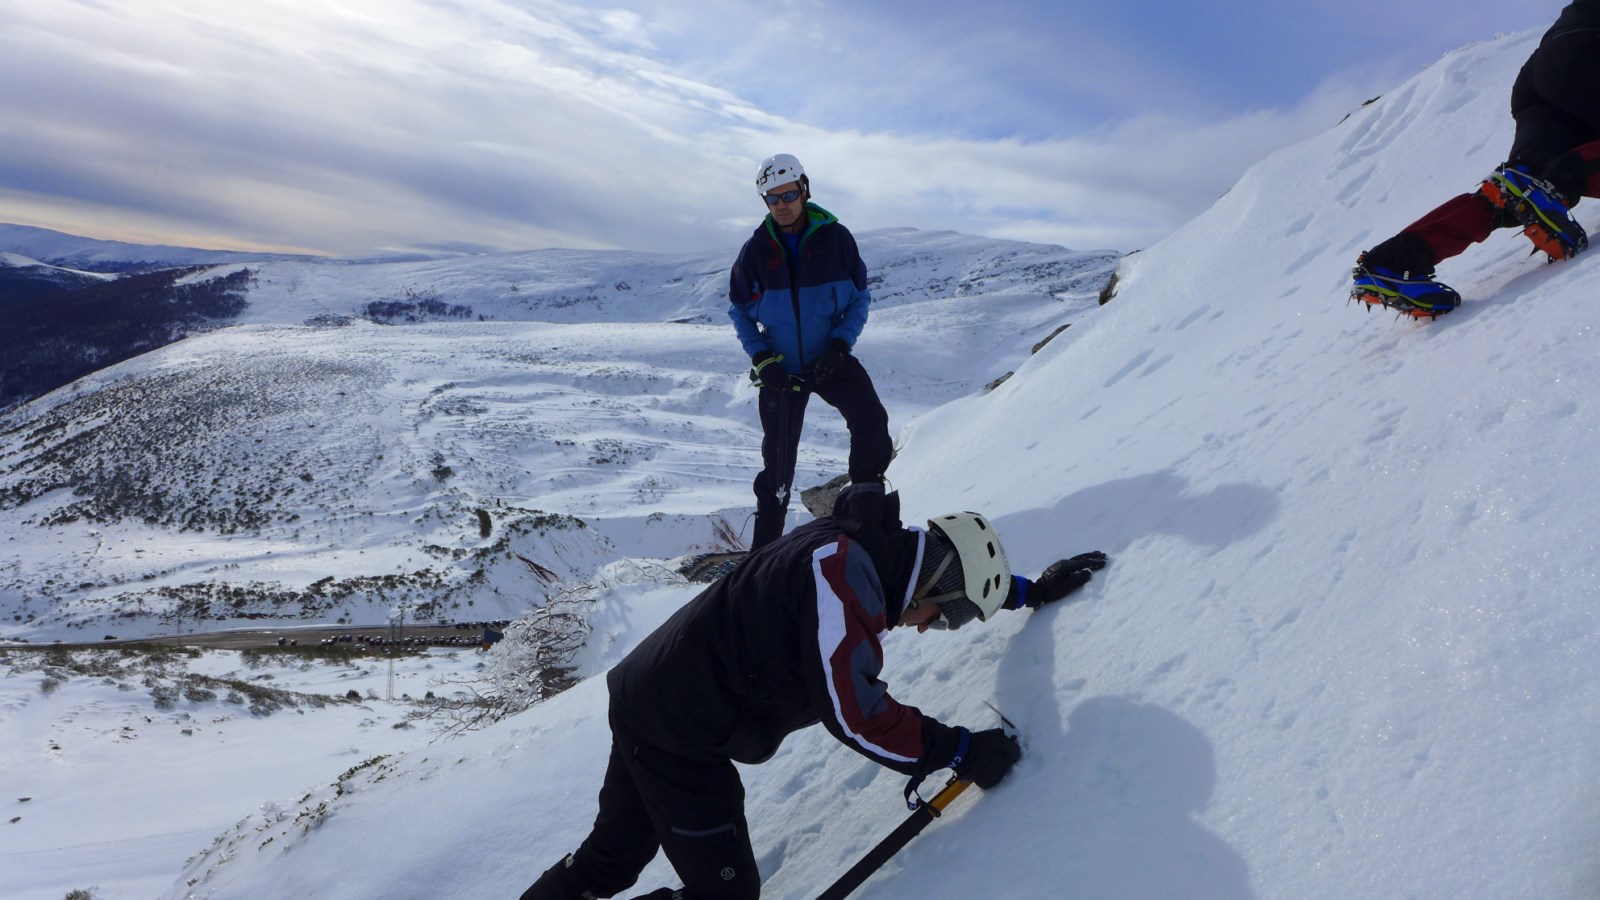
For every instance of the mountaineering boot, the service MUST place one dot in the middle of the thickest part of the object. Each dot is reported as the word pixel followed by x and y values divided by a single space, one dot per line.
pixel 559 882
pixel 1538 207
pixel 1418 296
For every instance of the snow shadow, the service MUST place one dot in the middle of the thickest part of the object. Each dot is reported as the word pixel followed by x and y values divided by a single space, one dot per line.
pixel 1112 793
pixel 1133 776
pixel 1124 785
pixel 1115 789
pixel 1117 786
pixel 1113 515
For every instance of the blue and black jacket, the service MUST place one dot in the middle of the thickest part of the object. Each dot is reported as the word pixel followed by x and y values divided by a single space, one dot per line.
pixel 795 303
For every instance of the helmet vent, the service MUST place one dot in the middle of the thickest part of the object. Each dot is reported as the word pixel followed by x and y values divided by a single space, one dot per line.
pixel 981 557
pixel 779 170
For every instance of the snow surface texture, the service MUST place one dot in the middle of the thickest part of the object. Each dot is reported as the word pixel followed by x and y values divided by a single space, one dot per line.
pixel 1347 645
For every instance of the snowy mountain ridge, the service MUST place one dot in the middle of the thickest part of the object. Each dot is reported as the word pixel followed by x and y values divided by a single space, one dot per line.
pixel 74 252
pixel 18 261
pixel 28 267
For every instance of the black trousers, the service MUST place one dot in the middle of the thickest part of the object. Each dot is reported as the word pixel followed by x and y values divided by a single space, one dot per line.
pixel 654 800
pixel 1556 104
pixel 783 413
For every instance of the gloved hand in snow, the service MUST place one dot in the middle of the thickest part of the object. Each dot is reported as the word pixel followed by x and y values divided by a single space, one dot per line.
pixel 990 755
pixel 1062 577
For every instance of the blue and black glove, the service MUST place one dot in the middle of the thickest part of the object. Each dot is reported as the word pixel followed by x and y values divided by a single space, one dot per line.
pixel 1061 578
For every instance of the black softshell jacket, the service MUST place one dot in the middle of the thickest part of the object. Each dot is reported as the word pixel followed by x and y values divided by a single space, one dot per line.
pixel 788 639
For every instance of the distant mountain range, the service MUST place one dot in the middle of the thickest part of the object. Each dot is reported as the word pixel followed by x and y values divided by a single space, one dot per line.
pixel 70 251
pixel 74 305
pixel 24 278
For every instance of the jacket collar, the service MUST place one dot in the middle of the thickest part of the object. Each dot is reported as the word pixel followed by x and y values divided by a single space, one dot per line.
pixel 871 517
pixel 816 217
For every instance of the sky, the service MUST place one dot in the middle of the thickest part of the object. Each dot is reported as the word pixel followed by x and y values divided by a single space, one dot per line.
pixel 1347 645
pixel 480 125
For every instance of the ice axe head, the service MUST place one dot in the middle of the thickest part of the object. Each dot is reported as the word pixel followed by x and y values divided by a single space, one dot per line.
pixel 1006 725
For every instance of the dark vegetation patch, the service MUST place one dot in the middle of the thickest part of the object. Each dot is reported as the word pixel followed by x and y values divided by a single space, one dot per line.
pixel 52 338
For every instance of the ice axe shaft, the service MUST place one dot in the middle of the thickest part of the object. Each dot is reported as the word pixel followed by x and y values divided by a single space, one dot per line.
pixel 926 811
pixel 919 818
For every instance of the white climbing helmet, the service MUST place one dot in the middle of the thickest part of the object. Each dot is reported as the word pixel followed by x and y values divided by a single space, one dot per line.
pixel 777 171
pixel 986 575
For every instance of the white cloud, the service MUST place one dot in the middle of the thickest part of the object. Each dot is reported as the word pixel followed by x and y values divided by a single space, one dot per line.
pixel 398 123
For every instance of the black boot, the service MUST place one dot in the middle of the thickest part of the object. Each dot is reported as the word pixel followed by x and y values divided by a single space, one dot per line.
pixel 559 882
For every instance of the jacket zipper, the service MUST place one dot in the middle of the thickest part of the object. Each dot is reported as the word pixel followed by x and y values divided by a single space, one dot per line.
pixel 794 290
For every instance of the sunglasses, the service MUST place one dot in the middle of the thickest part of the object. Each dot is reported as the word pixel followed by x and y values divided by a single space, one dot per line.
pixel 785 197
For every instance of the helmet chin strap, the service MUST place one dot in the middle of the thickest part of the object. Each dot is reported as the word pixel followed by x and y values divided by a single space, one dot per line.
pixel 920 595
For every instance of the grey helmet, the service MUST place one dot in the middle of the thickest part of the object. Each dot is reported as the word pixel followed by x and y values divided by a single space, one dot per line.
pixel 970 578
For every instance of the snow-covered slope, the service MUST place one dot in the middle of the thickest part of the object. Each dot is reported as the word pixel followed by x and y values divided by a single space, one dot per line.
pixel 1347 646
pixel 589 405
pixel 1356 555
pixel 17 261
pixel 22 273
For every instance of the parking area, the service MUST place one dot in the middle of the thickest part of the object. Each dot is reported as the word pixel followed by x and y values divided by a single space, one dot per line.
pixel 355 637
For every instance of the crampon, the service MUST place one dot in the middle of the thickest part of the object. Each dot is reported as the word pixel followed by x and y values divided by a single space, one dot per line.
pixel 1537 206
pixel 1419 298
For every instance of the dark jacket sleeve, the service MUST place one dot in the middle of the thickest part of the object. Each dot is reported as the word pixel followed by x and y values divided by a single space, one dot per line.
pixel 859 710
pixel 853 316
pixel 744 291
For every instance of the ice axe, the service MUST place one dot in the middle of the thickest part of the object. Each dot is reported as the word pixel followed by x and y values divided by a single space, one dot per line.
pixel 926 811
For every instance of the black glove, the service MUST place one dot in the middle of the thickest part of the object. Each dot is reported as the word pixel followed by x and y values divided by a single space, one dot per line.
pixel 765 371
pixel 831 361
pixel 990 757
pixel 1064 576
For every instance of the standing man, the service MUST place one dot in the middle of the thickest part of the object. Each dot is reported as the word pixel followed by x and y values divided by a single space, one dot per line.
pixel 798 299
pixel 1554 161
pixel 788 639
